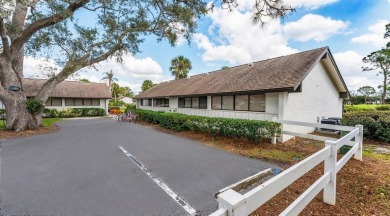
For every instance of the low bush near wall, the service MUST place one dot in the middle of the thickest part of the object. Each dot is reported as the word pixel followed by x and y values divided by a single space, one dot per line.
pixel 253 130
pixel 366 107
pixel 376 123
pixel 73 112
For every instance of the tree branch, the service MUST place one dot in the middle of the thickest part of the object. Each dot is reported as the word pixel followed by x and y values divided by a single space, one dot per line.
pixel 3 35
pixel 46 22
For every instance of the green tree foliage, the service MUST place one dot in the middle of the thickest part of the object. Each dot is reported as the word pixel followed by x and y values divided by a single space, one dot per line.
pixel 84 80
pixel 224 67
pixel 180 67
pixel 115 90
pixel 367 92
pixel 147 84
pixel 126 92
pixel 380 61
pixel 110 78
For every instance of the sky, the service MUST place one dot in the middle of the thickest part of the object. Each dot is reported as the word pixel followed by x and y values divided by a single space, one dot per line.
pixel 351 29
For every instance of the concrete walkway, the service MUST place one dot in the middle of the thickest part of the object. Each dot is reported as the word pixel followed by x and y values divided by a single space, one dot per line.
pixel 81 170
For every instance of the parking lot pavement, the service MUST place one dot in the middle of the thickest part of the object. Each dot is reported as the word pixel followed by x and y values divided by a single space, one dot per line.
pixel 81 170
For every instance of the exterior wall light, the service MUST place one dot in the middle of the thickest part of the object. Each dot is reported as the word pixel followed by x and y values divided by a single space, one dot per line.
pixel 14 88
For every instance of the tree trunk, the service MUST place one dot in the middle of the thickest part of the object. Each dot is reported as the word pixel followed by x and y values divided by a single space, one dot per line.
pixel 17 115
pixel 384 89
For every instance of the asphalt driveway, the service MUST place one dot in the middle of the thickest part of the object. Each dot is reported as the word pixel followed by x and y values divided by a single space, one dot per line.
pixel 81 170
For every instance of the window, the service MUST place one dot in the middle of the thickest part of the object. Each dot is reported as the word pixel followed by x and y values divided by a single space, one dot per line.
pixel 95 102
pixel 146 102
pixel 78 102
pixel 195 103
pixel 54 102
pixel 181 102
pixel 241 102
pixel 216 102
pixel 257 103
pixel 87 102
pixel 161 102
pixel 202 102
pixel 69 101
pixel 187 103
pixel 227 102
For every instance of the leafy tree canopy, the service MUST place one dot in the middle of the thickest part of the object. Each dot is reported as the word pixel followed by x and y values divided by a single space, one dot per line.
pixel 147 84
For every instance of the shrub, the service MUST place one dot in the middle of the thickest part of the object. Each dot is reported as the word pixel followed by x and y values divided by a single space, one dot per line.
pixel 80 112
pixel 115 111
pixel 376 124
pixel 130 108
pixel 251 129
pixel 2 113
pixel 383 108
pixel 34 106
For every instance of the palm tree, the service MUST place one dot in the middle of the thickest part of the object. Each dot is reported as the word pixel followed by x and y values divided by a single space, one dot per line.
pixel 180 66
pixel 109 76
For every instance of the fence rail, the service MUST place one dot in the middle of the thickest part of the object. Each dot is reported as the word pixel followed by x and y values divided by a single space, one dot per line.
pixel 233 203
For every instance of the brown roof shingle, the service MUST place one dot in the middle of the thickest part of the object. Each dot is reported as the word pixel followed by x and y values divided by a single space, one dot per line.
pixel 68 89
pixel 271 74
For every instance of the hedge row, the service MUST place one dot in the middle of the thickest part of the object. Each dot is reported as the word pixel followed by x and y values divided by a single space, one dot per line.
pixel 376 123
pixel 366 107
pixel 251 129
pixel 73 112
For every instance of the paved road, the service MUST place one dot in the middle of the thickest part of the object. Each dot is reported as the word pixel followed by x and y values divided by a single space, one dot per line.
pixel 80 170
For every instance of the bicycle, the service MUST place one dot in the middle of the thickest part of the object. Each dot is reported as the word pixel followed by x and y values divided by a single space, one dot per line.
pixel 127 117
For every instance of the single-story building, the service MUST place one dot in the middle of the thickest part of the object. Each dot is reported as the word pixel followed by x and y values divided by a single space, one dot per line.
pixel 305 87
pixel 71 94
pixel 126 100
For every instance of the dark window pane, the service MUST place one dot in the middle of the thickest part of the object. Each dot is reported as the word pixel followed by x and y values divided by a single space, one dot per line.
pixel 216 102
pixel 257 103
pixel 195 103
pixel 166 102
pixel 78 102
pixel 69 101
pixel 227 102
pixel 203 102
pixel 95 102
pixel 48 102
pixel 56 101
pixel 241 102
pixel 187 103
pixel 149 102
pixel 87 102
pixel 181 102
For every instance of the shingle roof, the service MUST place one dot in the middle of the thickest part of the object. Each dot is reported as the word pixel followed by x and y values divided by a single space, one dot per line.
pixel 68 89
pixel 285 72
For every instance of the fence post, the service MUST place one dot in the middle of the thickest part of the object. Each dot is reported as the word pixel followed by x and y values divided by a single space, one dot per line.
pixel 330 166
pixel 359 138
pixel 233 202
pixel 273 139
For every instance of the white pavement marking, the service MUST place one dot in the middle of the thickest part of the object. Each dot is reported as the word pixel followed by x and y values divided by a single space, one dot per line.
pixel 189 209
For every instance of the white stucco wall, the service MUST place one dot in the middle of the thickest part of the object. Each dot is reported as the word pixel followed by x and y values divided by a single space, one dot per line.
pixel 319 97
pixel 103 104
pixel 127 100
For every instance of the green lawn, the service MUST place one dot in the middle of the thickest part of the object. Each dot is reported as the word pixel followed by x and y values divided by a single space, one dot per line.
pixel 47 122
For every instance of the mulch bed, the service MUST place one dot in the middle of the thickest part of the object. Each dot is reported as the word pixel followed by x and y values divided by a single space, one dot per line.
pixel 4 134
pixel 363 187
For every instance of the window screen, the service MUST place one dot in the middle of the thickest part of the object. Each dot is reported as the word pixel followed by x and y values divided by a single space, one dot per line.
pixel 69 102
pixel 95 102
pixel 56 102
pixel 181 102
pixel 227 102
pixel 203 102
pixel 216 102
pixel 241 102
pixel 195 103
pixel 187 103
pixel 78 102
pixel 87 102
pixel 257 103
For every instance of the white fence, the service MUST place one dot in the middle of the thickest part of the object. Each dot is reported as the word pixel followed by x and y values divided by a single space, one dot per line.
pixel 233 203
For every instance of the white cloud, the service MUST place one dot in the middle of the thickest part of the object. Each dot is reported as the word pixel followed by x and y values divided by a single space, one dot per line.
pixel 39 67
pixel 313 27
pixel 374 36
pixel 239 41
pixel 308 4
pixel 233 38
pixel 350 65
